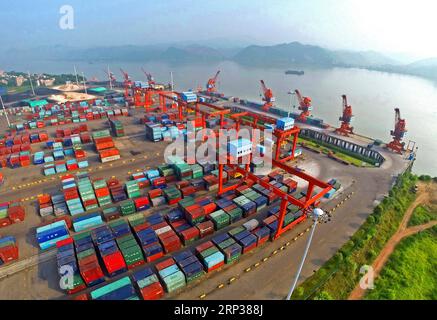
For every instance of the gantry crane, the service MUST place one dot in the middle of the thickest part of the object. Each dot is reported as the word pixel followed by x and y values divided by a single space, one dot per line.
pixel 210 86
pixel 268 97
pixel 127 83
pixel 304 106
pixel 345 128
pixel 150 79
pixel 398 133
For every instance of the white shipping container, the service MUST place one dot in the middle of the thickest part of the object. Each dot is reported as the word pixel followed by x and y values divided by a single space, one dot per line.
pixel 109 159
pixel 163 230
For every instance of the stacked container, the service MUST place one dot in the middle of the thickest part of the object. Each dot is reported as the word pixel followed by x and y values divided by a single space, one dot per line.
pixel 127 207
pixel 132 189
pixel 87 221
pixel 212 259
pixel 66 257
pixel 246 239
pixel 103 238
pixel 220 219
pixel 227 245
pixel 89 266
pixel 71 195
pixel 117 191
pixel 48 235
pixel 171 275
pixel 102 192
pixel 118 290
pixel 148 284
pixel 86 192
pixel 116 127
pixel 8 250
pixel 190 265
pixel 153 132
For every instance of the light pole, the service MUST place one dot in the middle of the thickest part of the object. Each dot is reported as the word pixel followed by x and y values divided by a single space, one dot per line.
pixel 291 93
pixel 4 110
pixel 316 214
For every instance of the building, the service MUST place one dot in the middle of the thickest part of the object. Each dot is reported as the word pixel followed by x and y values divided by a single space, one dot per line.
pixel 19 81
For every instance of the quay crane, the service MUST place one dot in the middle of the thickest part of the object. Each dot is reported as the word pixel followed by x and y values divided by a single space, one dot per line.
pixel 304 106
pixel 149 77
pixel 398 133
pixel 210 86
pixel 345 128
pixel 268 97
pixel 127 83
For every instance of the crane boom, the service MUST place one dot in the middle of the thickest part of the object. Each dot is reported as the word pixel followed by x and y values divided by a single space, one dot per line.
pixel 345 128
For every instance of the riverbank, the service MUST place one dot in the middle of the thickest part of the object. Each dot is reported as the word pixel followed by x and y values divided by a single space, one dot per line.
pixel 337 278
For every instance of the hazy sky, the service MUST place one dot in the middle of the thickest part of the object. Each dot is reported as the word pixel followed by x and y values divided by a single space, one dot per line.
pixel 382 25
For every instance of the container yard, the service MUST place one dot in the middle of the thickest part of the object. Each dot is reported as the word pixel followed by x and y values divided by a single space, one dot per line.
pixel 87 194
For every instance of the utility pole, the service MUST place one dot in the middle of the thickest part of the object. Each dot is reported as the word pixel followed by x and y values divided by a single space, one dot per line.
pixel 171 80
pixel 31 84
pixel 316 214
pixel 291 93
pixel 6 114
pixel 84 83
pixel 77 78
pixel 110 78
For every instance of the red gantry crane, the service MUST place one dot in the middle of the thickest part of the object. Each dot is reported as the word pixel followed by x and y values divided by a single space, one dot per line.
pixel 149 77
pixel 398 133
pixel 210 86
pixel 268 97
pixel 304 106
pixel 127 83
pixel 345 128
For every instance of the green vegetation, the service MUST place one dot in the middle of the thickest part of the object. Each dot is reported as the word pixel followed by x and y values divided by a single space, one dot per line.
pixel 410 273
pixel 338 277
pixel 423 214
pixel 325 148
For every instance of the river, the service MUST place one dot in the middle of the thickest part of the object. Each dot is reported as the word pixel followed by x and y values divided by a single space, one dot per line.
pixel 372 94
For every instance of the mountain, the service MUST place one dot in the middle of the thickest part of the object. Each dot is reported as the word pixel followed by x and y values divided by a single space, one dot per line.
pixel 296 53
pixel 287 53
pixel 191 54
pixel 361 58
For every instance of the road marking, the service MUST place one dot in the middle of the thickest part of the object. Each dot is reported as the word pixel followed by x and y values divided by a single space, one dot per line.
pixel 202 296
pixel 256 265
pixel 232 280
pixel 265 259
pixel 248 269
pixel 221 285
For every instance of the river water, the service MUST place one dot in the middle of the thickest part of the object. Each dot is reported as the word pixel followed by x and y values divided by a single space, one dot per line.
pixel 373 95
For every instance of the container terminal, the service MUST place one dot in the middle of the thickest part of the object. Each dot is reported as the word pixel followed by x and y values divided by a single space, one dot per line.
pixel 90 210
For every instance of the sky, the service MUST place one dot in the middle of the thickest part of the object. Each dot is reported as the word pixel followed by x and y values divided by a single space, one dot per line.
pixel 402 26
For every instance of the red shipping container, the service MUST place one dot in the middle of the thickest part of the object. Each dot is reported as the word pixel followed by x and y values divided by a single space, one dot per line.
pixel 103 192
pixel 140 202
pixel 165 264
pixel 9 253
pixel 114 262
pixel 210 208
pixel 249 248
pixel 217 266
pixel 174 201
pixel 155 257
pixel 78 289
pixel 152 292
pixel 204 246
pixel 182 184
pixel 5 222
pixel 159 225
pixel 16 214
pixel 140 227
pixel 191 233
pixel 155 193
pixel 136 264
pixel 205 228
pixel 188 191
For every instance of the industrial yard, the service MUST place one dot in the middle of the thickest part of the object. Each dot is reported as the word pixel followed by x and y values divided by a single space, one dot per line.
pixel 99 198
